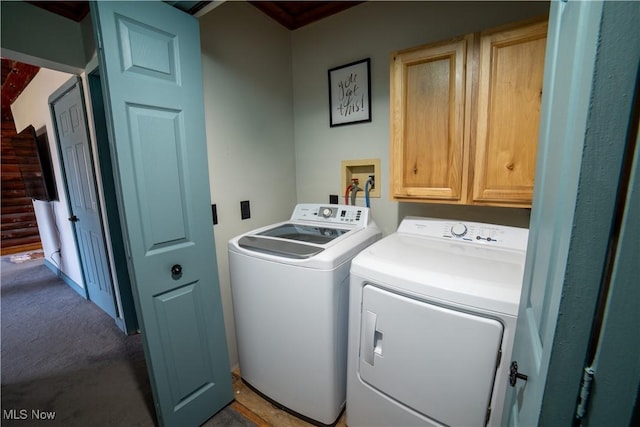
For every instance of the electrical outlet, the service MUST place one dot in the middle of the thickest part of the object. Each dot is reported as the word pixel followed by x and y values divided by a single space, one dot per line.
pixel 245 210
pixel 333 199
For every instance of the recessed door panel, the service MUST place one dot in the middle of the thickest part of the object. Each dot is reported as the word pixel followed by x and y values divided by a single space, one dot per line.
pixel 180 321
pixel 147 50
pixel 158 145
pixel 437 361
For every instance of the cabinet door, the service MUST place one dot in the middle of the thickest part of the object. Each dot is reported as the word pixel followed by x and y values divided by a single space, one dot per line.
pixel 428 113
pixel 508 110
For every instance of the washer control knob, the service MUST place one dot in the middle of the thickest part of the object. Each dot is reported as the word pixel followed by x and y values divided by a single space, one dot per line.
pixel 326 212
pixel 459 229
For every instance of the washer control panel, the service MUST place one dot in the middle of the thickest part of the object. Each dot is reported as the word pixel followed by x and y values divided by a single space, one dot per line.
pixel 332 214
pixel 459 230
pixel 465 231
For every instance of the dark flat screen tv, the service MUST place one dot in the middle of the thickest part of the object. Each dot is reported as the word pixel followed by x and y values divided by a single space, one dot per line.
pixel 34 160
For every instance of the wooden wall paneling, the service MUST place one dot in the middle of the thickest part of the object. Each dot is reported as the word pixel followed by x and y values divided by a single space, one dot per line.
pixel 18 225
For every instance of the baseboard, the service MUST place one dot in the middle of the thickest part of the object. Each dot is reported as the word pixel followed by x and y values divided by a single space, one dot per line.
pixel 10 250
pixel 68 280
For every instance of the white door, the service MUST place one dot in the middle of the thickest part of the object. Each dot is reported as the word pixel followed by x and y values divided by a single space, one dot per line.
pixel 435 360
pixel 570 58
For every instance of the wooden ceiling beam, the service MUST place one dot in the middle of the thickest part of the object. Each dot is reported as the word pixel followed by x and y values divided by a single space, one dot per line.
pixel 15 77
pixel 295 14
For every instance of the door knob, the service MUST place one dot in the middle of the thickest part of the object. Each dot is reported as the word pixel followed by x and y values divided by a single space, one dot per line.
pixel 514 375
pixel 73 218
pixel 176 270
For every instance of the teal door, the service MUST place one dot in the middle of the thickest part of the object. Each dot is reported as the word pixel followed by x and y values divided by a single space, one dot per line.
pixel 587 115
pixel 151 75
pixel 566 89
pixel 67 107
pixel 569 65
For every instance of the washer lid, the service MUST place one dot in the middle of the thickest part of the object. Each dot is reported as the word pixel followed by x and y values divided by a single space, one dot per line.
pixel 279 247
pixel 292 240
pixel 451 271
pixel 304 233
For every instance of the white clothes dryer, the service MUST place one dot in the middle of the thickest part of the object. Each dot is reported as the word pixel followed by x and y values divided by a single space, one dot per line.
pixel 290 288
pixel 433 311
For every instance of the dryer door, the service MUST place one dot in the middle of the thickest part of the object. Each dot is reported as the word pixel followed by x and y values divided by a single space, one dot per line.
pixel 437 361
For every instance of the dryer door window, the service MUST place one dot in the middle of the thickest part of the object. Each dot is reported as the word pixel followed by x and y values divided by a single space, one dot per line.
pixel 437 361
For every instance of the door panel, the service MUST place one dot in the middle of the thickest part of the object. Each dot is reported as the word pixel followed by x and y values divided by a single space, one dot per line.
pixel 157 144
pixel 185 341
pixel 68 110
pixel 128 320
pixel 565 103
pixel 432 359
pixel 150 55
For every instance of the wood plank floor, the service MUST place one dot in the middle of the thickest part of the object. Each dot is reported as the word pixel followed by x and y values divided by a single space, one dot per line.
pixel 263 412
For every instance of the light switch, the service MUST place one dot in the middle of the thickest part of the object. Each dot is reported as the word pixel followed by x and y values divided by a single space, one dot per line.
pixel 245 211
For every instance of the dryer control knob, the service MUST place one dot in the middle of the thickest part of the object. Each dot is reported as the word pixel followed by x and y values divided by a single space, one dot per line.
pixel 459 229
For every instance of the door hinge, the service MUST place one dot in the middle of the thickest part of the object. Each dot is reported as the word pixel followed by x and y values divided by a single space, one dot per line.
pixel 486 421
pixel 585 391
pixel 99 40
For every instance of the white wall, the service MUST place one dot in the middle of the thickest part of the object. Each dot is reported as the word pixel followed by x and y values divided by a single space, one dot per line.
pixel 266 106
pixel 63 45
pixel 32 108
pixel 374 30
pixel 246 61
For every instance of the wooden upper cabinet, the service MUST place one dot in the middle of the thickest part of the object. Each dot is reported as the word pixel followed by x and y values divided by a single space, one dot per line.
pixel 428 109
pixel 464 117
pixel 511 66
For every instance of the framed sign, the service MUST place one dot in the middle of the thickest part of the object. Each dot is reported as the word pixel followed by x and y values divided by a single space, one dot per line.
pixel 350 93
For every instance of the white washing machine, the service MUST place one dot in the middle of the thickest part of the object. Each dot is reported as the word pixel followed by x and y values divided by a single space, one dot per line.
pixel 433 311
pixel 290 287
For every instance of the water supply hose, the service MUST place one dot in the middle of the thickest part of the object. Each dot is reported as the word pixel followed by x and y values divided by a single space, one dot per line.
pixel 367 187
pixel 346 195
pixel 354 190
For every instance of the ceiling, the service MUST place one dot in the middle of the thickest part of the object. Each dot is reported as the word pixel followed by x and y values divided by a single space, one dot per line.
pixel 290 14
pixel 74 10
pixel 296 14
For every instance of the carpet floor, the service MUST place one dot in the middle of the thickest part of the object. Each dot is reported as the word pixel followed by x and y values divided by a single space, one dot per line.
pixel 64 362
